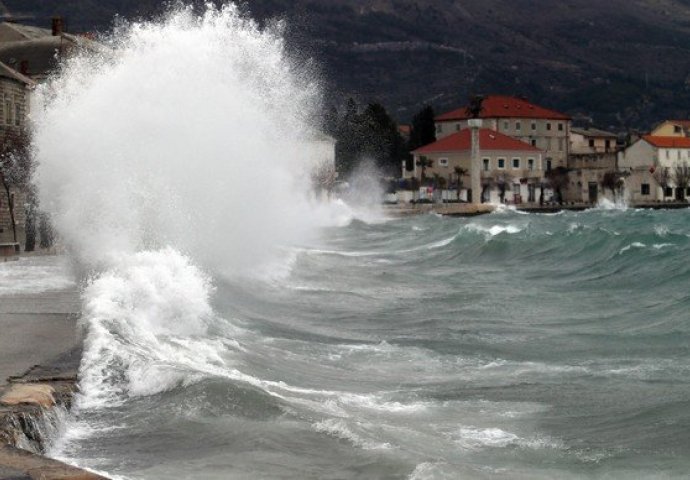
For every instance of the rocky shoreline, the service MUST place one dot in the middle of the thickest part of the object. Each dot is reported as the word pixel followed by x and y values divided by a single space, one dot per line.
pixel 31 408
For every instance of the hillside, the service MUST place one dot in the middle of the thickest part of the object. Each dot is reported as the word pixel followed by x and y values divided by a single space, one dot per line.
pixel 622 62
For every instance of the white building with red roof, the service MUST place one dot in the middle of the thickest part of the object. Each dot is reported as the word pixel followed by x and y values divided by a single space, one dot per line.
pixel 545 129
pixel 652 163
pixel 508 166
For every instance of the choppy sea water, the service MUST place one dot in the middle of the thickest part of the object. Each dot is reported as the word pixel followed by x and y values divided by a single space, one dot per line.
pixel 503 346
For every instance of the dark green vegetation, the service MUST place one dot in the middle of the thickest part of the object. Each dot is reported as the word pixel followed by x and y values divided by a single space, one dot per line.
pixel 367 136
pixel 624 63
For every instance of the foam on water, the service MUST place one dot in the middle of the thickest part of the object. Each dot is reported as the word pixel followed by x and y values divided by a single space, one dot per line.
pixel 195 158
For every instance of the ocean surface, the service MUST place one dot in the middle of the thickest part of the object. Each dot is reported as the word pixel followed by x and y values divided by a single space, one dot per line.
pixel 508 346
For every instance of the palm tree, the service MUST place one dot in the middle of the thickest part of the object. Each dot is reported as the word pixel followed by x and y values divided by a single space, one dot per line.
pixel 460 172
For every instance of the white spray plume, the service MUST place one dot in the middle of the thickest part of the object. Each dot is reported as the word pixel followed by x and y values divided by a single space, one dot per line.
pixel 186 133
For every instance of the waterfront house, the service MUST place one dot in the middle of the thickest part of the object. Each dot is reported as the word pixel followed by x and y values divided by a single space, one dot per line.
pixel 510 168
pixel 546 130
pixel 592 155
pixel 653 164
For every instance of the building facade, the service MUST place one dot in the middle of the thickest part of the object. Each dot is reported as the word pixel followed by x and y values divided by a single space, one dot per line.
pixel 593 154
pixel 15 91
pixel 541 128
pixel 652 163
pixel 508 167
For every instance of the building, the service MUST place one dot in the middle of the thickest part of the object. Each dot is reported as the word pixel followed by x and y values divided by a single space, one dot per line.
pixel 36 52
pixel 593 154
pixel 14 107
pixel 592 140
pixel 507 165
pixel 672 128
pixel 27 55
pixel 544 129
pixel 651 163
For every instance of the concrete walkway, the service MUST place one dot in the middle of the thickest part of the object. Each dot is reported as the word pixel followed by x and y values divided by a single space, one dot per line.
pixel 35 328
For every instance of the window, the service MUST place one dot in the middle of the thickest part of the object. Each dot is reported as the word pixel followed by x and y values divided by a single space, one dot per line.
pixel 645 189
pixel 457 127
pixel 534 142
pixel 548 126
pixel 530 164
pixel 608 144
pixel 506 126
pixel 591 143
pixel 516 163
pixel 501 163
pixel 548 165
pixel 668 192
pixel 560 127
pixel 439 128
pixel 17 114
pixel 443 162
pixel 534 126
pixel 487 164
pixel 518 126
pixel 8 110
pixel 677 129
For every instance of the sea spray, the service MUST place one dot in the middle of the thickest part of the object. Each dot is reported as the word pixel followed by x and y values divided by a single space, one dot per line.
pixel 192 132
pixel 181 147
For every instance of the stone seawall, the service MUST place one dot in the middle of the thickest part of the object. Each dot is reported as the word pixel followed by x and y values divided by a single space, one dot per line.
pixel 32 406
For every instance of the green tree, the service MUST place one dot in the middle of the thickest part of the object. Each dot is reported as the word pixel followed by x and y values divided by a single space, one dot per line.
pixel 681 177
pixel 16 169
pixel 423 131
pixel 559 181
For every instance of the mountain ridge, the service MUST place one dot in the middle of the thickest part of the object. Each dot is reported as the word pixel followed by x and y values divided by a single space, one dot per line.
pixel 622 63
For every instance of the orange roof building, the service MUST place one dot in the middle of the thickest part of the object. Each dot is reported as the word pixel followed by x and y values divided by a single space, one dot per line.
pixel 489 140
pixel 535 125
pixel 500 106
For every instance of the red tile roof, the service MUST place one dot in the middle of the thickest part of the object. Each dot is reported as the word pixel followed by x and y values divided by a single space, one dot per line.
pixel 499 106
pixel 488 140
pixel 667 142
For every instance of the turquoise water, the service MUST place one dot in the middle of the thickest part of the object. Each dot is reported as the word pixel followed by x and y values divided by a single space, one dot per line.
pixel 504 346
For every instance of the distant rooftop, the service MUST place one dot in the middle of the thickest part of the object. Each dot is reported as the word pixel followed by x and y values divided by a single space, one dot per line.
pixel 667 142
pixel 593 132
pixel 488 140
pixel 34 51
pixel 500 106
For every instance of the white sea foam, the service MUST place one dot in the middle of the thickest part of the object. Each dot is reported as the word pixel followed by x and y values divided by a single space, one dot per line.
pixel 476 438
pixel 631 246
pixel 216 165
pixel 340 429
pixel 494 230
pixel 174 173
pixel 606 204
